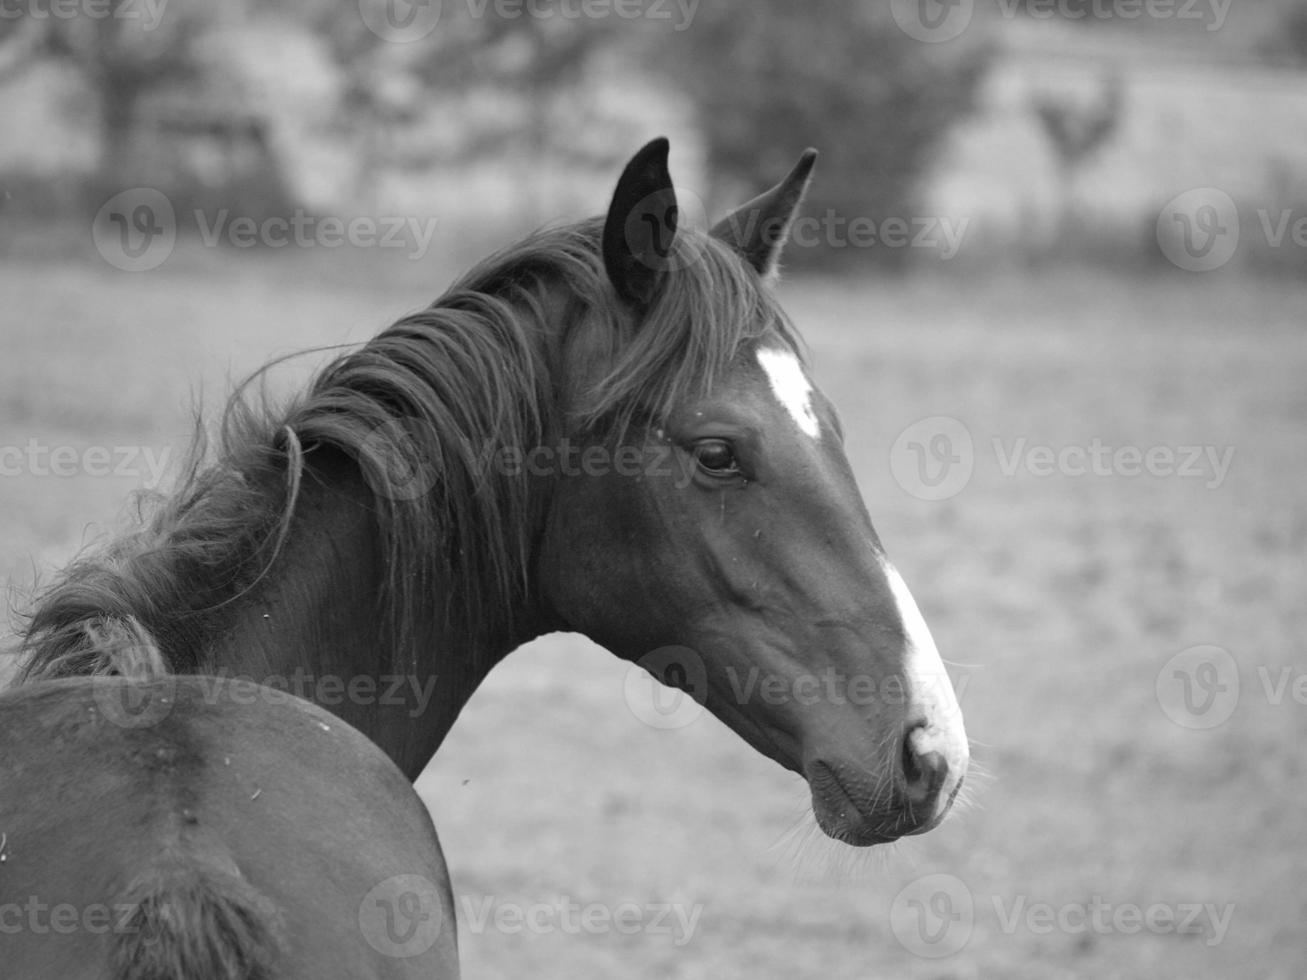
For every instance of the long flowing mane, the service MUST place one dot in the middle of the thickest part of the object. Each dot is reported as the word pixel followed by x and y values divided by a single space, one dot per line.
pixel 441 390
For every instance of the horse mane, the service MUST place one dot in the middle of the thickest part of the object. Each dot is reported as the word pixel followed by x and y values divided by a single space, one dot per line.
pixel 440 389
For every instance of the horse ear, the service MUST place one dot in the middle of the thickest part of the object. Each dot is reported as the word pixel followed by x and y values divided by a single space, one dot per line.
pixel 641 226
pixel 758 230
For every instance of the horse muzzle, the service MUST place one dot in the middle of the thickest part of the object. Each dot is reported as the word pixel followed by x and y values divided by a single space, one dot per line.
pixel 911 793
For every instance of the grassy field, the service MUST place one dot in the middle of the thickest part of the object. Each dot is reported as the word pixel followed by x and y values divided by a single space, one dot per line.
pixel 1059 599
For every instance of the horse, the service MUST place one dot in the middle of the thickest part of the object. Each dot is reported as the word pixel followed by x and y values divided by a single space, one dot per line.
pixel 609 428
pixel 206 828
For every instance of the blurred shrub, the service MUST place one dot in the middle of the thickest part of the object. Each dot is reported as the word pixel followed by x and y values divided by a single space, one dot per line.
pixel 27 194
pixel 162 115
pixel 770 77
pixel 215 157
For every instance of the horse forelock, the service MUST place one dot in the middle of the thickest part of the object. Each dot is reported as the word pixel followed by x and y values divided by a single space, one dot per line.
pixel 709 304
pixel 433 397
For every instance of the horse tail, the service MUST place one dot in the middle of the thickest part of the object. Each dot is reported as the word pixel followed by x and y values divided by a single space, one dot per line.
pixel 187 920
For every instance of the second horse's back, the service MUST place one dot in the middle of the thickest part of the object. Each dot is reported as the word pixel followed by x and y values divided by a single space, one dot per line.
pixel 193 826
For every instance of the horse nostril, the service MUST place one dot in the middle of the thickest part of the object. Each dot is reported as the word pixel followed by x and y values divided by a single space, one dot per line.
pixel 924 770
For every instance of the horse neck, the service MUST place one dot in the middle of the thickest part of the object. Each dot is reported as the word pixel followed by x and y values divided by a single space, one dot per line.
pixel 315 626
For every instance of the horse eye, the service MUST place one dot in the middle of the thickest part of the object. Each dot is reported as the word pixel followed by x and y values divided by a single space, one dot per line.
pixel 716 457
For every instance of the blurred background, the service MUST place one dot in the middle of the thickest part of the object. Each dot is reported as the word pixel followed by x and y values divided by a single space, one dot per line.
pixel 1051 271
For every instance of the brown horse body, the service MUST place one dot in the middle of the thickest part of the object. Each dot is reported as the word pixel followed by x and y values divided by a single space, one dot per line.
pixel 194 827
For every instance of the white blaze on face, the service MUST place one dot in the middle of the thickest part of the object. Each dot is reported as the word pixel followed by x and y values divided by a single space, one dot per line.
pixel 791 387
pixel 928 684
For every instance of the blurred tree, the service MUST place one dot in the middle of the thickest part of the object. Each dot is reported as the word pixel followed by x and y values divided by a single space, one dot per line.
pixel 1077 131
pixel 516 60
pixel 125 50
pixel 512 59
pixel 770 77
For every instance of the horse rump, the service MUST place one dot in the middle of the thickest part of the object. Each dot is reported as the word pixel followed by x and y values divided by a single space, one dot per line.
pixel 194 922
